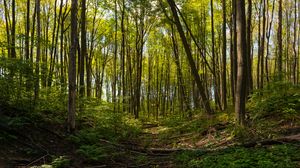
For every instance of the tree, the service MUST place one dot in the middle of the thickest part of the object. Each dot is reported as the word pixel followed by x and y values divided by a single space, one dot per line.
pixel 204 100
pixel 240 95
pixel 233 52
pixel 38 51
pixel 249 46
pixel 224 62
pixel 279 38
pixel 27 30
pixel 268 35
pixel 114 82
pixel 123 52
pixel 72 68
pixel 179 73
pixel 13 30
pixel 295 58
pixel 214 64
pixel 83 50
pixel 7 26
pixel 262 45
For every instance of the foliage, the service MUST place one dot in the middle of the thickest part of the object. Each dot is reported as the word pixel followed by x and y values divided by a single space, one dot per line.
pixel 277 100
pixel 14 92
pixel 260 157
pixel 198 123
pixel 101 124
pixel 51 104
pixel 61 162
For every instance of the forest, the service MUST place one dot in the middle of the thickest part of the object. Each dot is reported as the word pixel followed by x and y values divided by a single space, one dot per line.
pixel 149 83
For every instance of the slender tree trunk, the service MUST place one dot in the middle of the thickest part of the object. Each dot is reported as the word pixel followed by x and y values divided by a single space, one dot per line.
pixel 83 50
pixel 262 47
pixel 234 50
pixel 32 33
pixel 287 64
pixel 242 67
pixel 294 71
pixel 7 26
pixel 259 48
pixel 179 74
pixel 13 30
pixel 27 30
pixel 27 33
pixel 269 27
pixel 224 60
pixel 124 92
pixel 249 44
pixel 215 83
pixel 72 68
pixel 279 37
pixel 150 59
pixel 298 60
pixel 38 51
pixel 232 83
pixel 52 52
pixel 205 101
pixel 89 57
pixel 62 49
pixel 114 84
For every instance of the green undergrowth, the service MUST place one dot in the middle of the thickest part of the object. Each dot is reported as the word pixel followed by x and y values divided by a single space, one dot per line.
pixel 276 101
pixel 201 124
pixel 275 106
pixel 102 131
pixel 281 156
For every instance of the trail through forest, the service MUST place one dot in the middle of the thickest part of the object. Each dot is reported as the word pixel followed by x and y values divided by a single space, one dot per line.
pixel 149 83
pixel 156 145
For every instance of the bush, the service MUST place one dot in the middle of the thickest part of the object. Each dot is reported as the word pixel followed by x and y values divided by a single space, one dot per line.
pixel 277 100
pixel 52 104
pixel 273 156
pixel 100 124
pixel 16 78
pixel 61 162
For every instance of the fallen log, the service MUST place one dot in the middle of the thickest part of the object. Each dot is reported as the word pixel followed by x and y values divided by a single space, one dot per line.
pixel 277 141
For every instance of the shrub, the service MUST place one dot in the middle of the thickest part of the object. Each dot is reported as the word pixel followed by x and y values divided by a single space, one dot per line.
pixel 61 162
pixel 273 156
pixel 100 124
pixel 16 78
pixel 277 100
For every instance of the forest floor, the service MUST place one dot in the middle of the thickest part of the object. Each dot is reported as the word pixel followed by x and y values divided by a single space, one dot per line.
pixel 215 138
pixel 157 145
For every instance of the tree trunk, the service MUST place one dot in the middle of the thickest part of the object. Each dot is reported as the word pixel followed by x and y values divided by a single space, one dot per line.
pixel 83 50
pixel 7 26
pixel 234 51
pixel 32 34
pixel 13 30
pixel 205 101
pixel 38 51
pixel 249 55
pixel 52 51
pixel 27 30
pixel 295 61
pixel 262 47
pixel 124 92
pixel 259 48
pixel 269 28
pixel 72 68
pixel 215 83
pixel 88 59
pixel 224 86
pixel 114 84
pixel 240 96
pixel 179 73
pixel 279 37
